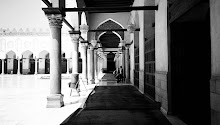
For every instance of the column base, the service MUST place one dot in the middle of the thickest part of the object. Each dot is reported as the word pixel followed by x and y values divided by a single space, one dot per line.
pixel 74 78
pixel 127 80
pixel 55 101
pixel 85 80
pixel 92 81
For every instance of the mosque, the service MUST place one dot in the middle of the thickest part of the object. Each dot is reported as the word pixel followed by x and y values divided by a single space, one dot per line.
pixel 168 49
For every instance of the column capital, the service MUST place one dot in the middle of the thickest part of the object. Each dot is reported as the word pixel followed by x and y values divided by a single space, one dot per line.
pixel 74 38
pixel 84 44
pixel 84 28
pixel 55 20
pixel 127 47
pixel 122 43
pixel 91 47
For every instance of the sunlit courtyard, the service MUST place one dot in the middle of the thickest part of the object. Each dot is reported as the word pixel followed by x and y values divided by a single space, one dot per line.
pixel 23 100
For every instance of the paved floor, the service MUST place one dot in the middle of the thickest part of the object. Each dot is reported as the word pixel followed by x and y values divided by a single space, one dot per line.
pixel 23 100
pixel 118 105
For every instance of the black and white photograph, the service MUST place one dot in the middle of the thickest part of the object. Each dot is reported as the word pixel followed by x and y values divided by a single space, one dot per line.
pixel 109 62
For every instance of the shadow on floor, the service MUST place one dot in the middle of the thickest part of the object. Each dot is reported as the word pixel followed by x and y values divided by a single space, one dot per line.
pixel 117 105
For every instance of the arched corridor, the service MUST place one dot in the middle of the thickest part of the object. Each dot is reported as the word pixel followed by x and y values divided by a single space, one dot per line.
pixel 167 50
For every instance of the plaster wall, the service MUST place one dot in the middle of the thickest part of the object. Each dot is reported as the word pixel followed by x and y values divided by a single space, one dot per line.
pixel 35 44
pixel 161 45
pixel 161 55
pixel 95 19
pixel 215 36
pixel 215 60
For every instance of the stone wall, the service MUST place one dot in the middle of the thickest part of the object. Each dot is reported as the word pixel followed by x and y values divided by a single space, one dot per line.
pixel 161 90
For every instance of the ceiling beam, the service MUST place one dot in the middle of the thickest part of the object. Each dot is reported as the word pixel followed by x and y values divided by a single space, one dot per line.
pixel 47 3
pixel 103 30
pixel 111 9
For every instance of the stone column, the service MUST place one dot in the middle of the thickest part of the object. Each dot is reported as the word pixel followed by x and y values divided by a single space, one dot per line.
pixel 55 99
pixel 84 61
pixel 18 72
pixel 35 72
pixel 67 67
pixel 96 65
pixel 3 66
pixel 90 65
pixel 122 56
pixel 127 64
pixel 75 57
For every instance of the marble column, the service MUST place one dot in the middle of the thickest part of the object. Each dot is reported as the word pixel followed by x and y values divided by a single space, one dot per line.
pixel 90 65
pixel 35 72
pixel 67 67
pixel 3 66
pixel 127 64
pixel 84 61
pixel 18 72
pixel 75 57
pixel 55 99
pixel 96 65
pixel 122 58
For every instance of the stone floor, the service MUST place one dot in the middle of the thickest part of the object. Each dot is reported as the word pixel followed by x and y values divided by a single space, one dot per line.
pixel 23 100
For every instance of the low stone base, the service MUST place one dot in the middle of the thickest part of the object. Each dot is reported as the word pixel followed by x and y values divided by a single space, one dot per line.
pixel 141 81
pixel 161 94
pixel 25 71
pixel 127 80
pixel 55 101
pixel 41 71
pixel 85 80
pixel 215 100
pixel 92 81
pixel 215 117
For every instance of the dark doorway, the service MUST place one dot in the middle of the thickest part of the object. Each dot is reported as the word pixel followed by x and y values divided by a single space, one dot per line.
pixel 110 62
pixel 190 51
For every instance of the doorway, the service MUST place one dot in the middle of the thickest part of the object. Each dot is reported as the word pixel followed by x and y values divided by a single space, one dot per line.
pixel 190 65
pixel 110 62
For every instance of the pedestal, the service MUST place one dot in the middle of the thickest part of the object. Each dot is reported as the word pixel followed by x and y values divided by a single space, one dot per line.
pixel 55 101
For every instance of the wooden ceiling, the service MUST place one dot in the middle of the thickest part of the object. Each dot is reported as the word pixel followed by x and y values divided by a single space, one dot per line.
pixel 108 3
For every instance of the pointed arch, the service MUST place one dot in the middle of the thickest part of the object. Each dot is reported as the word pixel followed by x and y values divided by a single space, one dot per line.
pixel 100 35
pixel 11 54
pixel 117 35
pixel 110 19
pixel 98 38
pixel 27 54
pixel 44 54
pixel 110 24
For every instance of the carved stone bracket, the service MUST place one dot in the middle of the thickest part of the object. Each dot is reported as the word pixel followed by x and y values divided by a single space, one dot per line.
pixel 55 20
pixel 55 16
